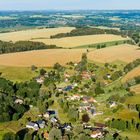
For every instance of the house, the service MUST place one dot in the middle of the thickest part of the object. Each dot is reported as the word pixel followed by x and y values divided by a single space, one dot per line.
pixel 66 75
pixel 39 79
pixel 74 97
pixel 112 104
pixel 66 126
pixel 96 134
pixel 87 99
pixel 108 75
pixel 67 88
pixel 84 107
pixel 41 123
pixel 32 125
pixel 85 74
pixel 18 101
pixel 53 120
pixel 51 113
pixel 46 135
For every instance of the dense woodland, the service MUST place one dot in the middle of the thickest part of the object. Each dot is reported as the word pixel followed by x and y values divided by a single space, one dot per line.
pixel 20 46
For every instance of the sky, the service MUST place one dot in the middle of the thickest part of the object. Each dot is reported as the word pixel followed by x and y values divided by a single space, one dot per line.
pixel 69 4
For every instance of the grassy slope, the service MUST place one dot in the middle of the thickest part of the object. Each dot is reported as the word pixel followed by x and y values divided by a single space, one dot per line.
pixel 108 44
pixel 17 73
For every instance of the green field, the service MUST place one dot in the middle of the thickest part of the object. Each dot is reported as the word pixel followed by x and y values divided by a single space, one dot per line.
pixel 17 74
pixel 131 135
pixel 108 44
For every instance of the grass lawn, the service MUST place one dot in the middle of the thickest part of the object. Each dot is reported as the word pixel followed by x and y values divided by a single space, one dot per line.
pixel 17 74
pixel 133 99
pixel 15 126
pixel 131 135
pixel 2 132
pixel 108 44
pixel 127 114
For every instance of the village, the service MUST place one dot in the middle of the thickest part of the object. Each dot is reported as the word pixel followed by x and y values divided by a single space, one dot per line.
pixel 73 96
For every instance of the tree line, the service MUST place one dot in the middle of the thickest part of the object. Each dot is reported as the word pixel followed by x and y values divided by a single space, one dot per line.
pixel 20 46
pixel 81 31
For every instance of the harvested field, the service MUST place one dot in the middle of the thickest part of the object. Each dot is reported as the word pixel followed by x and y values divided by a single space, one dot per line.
pixel 135 72
pixel 136 89
pixel 125 52
pixel 71 42
pixel 33 33
pixel 43 58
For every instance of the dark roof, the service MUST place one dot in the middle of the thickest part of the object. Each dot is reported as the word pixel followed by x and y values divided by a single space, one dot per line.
pixel 31 123
pixel 100 125
pixel 40 122
pixel 51 112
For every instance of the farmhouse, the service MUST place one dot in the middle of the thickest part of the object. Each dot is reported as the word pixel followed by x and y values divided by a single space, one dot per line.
pixel 18 101
pixel 32 125
pixel 39 79
pixel 41 123
pixel 46 135
pixel 96 134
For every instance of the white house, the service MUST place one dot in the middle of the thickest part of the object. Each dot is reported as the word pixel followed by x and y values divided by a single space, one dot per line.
pixel 32 125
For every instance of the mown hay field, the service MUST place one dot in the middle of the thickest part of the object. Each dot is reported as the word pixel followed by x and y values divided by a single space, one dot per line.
pixel 133 73
pixel 71 42
pixel 33 33
pixel 125 52
pixel 136 89
pixel 42 58
pixel 47 58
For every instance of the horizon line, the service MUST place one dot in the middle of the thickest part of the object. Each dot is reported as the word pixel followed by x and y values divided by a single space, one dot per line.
pixel 71 10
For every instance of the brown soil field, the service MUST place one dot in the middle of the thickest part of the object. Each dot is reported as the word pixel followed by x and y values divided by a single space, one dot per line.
pixel 125 52
pixel 43 58
pixel 135 72
pixel 71 42
pixel 33 33
pixel 136 89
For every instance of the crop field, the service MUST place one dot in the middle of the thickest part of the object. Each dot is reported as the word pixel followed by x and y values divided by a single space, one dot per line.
pixel 43 58
pixel 47 58
pixel 136 89
pixel 135 72
pixel 77 41
pixel 33 33
pixel 125 52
